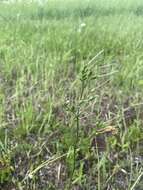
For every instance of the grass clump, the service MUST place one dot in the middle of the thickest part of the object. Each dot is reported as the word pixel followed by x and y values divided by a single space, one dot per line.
pixel 71 95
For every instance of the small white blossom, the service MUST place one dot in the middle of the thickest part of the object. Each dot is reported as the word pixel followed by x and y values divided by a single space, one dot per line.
pixel 81 27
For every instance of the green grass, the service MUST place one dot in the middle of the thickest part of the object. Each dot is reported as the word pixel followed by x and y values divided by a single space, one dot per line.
pixel 70 71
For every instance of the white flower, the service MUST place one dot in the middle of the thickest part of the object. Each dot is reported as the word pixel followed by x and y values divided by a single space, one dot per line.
pixel 42 2
pixel 81 27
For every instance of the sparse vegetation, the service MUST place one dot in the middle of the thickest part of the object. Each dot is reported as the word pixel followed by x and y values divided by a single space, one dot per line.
pixel 71 84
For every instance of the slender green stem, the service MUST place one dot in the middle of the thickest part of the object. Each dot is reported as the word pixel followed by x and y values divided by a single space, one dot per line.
pixel 77 127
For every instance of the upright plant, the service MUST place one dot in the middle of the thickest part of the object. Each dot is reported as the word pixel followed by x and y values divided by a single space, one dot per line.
pixel 86 75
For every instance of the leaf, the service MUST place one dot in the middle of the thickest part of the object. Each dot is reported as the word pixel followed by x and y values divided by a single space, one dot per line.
pixel 108 130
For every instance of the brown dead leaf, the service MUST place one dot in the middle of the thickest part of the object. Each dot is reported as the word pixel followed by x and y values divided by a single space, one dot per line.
pixel 110 130
pixel 99 141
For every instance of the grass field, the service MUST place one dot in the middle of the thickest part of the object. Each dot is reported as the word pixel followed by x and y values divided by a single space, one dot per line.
pixel 71 95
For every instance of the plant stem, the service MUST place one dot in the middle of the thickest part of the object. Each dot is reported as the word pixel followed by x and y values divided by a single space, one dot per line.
pixel 77 127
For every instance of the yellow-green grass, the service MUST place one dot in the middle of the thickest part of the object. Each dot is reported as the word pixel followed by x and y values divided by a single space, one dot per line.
pixel 68 69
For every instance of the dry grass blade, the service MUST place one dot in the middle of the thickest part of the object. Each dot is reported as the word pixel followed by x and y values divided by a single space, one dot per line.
pixel 47 162
pixel 97 55
pixel 137 181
